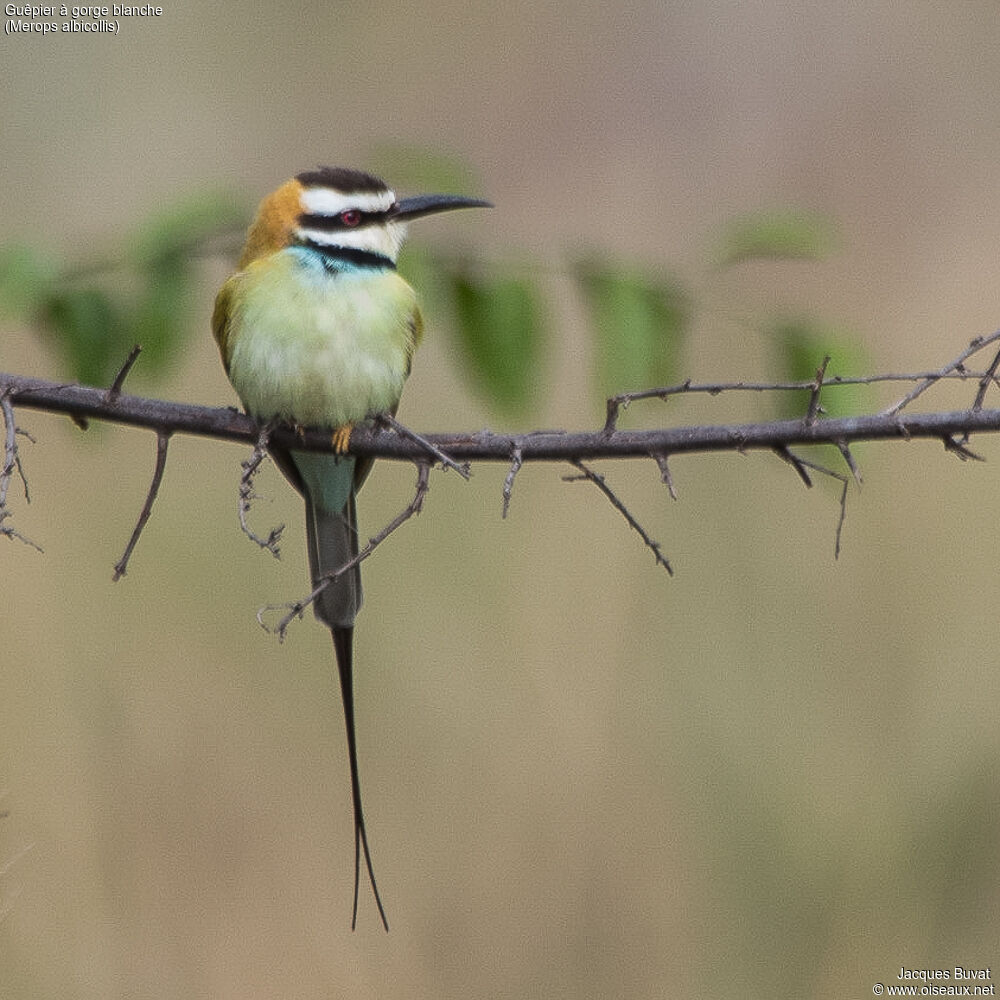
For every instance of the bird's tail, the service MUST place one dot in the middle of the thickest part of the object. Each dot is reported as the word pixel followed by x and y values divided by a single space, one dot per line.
pixel 332 533
pixel 333 542
pixel 342 641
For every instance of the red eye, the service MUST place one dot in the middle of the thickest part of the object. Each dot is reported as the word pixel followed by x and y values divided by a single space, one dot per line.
pixel 351 217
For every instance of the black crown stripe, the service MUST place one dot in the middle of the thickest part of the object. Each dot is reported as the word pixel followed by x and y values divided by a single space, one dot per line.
pixel 343 179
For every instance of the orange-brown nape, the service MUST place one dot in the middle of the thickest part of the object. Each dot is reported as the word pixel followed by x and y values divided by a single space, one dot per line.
pixel 274 223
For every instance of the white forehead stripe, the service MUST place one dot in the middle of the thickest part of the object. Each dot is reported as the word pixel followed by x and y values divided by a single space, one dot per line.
pixel 325 201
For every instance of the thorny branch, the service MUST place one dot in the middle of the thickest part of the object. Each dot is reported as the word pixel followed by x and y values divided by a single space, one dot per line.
pixel 455 450
pixel 11 463
pixel 813 411
pixel 663 464
pixel 802 465
pixel 988 379
pixel 162 441
pixel 295 609
pixel 610 442
pixel 586 473
pixel 954 370
pixel 247 495
pixel 516 461
pixel 228 424
pixel 429 447
pixel 116 386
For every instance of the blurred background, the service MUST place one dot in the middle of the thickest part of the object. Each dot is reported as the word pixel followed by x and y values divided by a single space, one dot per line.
pixel 773 775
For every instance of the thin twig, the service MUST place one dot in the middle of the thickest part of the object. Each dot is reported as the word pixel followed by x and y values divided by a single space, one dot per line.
pixel 801 464
pixel 295 609
pixel 841 519
pixel 989 378
pixel 599 481
pixel 162 441
pixel 11 463
pixel 961 449
pixel 10 447
pixel 20 468
pixel 665 477
pixel 622 401
pixel 952 369
pixel 516 461
pixel 431 448
pixel 116 387
pixel 845 450
pixel 817 385
pixel 247 495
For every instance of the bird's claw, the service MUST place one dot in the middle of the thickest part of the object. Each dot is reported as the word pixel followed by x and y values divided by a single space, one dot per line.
pixel 341 439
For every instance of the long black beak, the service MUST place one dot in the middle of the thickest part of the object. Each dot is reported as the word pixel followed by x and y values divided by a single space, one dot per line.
pixel 428 204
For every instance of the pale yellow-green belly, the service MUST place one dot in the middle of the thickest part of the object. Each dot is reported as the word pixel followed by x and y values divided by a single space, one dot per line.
pixel 323 350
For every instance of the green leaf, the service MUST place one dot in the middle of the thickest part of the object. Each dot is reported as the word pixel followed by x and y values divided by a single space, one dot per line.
pixel 639 322
pixel 777 235
pixel 500 334
pixel 159 320
pixel 801 346
pixel 26 276
pixel 163 250
pixel 93 329
pixel 89 333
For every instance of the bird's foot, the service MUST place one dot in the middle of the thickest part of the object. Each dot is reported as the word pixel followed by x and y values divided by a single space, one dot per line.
pixel 341 439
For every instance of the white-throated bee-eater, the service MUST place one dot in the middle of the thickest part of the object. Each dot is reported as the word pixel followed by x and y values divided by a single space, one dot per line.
pixel 317 329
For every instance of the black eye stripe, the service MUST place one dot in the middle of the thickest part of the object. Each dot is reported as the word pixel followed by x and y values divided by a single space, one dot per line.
pixel 334 223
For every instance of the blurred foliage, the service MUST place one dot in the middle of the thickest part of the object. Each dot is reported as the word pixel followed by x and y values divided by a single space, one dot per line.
pixel 776 235
pixel 501 332
pixel 27 276
pixel 639 317
pixel 90 330
pixel 801 346
pixel 95 309
pixel 164 250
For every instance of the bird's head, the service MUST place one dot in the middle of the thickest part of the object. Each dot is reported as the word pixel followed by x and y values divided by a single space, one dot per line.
pixel 341 210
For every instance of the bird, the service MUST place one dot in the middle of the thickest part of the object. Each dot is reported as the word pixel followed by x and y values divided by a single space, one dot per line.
pixel 316 328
